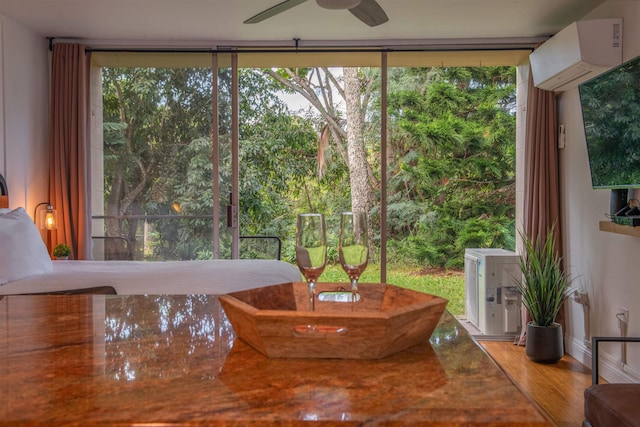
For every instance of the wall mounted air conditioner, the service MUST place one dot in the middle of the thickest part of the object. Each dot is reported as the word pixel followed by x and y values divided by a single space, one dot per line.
pixel 576 54
pixel 492 300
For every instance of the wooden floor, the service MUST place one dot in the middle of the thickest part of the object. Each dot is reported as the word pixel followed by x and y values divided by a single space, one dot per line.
pixel 556 388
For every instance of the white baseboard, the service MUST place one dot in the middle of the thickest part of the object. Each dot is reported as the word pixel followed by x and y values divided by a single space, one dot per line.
pixel 610 369
pixel 578 350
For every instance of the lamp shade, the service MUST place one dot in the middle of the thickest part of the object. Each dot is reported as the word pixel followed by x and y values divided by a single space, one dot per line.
pixel 48 218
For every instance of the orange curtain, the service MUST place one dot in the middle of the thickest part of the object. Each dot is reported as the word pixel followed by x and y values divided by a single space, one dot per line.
pixel 542 183
pixel 69 183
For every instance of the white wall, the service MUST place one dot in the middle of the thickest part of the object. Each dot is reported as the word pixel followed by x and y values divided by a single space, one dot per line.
pixel 522 89
pixel 24 106
pixel 606 264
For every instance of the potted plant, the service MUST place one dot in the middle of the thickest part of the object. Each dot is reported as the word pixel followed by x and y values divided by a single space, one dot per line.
pixel 62 251
pixel 544 287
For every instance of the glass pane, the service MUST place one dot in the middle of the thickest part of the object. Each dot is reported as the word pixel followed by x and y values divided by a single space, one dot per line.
pixel 451 156
pixel 158 194
pixel 297 153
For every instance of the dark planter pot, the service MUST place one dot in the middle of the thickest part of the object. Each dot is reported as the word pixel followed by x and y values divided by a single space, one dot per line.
pixel 544 344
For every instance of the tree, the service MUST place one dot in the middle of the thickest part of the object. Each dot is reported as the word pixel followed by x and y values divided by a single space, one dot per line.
pixel 453 145
pixel 159 112
pixel 361 187
pixel 158 156
pixel 343 129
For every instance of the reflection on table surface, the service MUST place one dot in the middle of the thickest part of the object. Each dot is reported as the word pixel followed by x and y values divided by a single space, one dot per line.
pixel 174 359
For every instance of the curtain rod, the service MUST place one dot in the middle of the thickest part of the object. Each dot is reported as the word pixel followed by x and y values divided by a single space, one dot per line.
pixel 296 44
pixel 310 50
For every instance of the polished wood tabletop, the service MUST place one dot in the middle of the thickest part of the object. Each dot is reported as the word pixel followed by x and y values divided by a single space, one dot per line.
pixel 174 360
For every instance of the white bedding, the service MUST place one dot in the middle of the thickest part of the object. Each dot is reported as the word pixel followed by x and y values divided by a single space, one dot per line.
pixel 158 278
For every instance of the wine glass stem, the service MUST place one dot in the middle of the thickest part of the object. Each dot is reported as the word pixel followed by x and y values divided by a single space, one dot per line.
pixel 312 295
pixel 354 290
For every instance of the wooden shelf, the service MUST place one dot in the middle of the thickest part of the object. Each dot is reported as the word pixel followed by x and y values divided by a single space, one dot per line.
pixel 612 227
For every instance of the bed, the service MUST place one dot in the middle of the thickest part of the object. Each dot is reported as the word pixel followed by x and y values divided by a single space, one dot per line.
pixel 27 268
pixel 4 193
pixel 157 277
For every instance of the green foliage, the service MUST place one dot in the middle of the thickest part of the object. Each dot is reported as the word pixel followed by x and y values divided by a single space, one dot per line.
pixel 158 157
pixel 544 285
pixel 61 250
pixel 486 232
pixel 451 158
pixel 454 171
pixel 155 120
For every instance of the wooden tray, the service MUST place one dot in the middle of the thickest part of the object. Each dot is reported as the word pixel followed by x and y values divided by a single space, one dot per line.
pixel 277 320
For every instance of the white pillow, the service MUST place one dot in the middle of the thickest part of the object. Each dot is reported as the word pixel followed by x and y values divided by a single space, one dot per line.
pixel 22 251
pixel 4 211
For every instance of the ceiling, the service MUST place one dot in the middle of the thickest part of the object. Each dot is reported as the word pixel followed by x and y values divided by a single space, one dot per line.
pixel 220 22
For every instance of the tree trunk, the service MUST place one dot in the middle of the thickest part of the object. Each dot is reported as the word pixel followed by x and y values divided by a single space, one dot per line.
pixel 357 153
pixel 357 156
pixel 320 96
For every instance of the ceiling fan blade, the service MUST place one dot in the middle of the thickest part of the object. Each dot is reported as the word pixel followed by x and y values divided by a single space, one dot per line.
pixel 272 11
pixel 370 12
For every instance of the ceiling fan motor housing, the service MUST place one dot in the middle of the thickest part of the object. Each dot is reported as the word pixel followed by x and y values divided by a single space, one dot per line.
pixel 338 4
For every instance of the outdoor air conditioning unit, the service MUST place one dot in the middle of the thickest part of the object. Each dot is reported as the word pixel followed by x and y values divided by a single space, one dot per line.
pixel 492 300
pixel 576 54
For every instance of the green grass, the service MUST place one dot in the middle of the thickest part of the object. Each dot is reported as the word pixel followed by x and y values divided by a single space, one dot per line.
pixel 448 284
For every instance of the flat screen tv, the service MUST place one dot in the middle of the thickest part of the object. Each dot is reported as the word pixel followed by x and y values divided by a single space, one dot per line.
pixel 611 114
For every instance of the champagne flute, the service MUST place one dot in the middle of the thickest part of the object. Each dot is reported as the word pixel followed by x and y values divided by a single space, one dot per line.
pixel 311 249
pixel 353 247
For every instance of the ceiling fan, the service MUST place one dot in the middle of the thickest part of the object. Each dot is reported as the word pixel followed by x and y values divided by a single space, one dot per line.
pixel 368 11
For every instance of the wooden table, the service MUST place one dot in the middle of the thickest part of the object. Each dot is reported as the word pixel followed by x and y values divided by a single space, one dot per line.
pixel 174 360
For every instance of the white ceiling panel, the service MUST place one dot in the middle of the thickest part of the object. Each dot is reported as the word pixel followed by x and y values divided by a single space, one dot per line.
pixel 206 21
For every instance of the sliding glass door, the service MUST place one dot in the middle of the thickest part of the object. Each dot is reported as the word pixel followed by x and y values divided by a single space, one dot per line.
pixel 212 155
pixel 156 159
